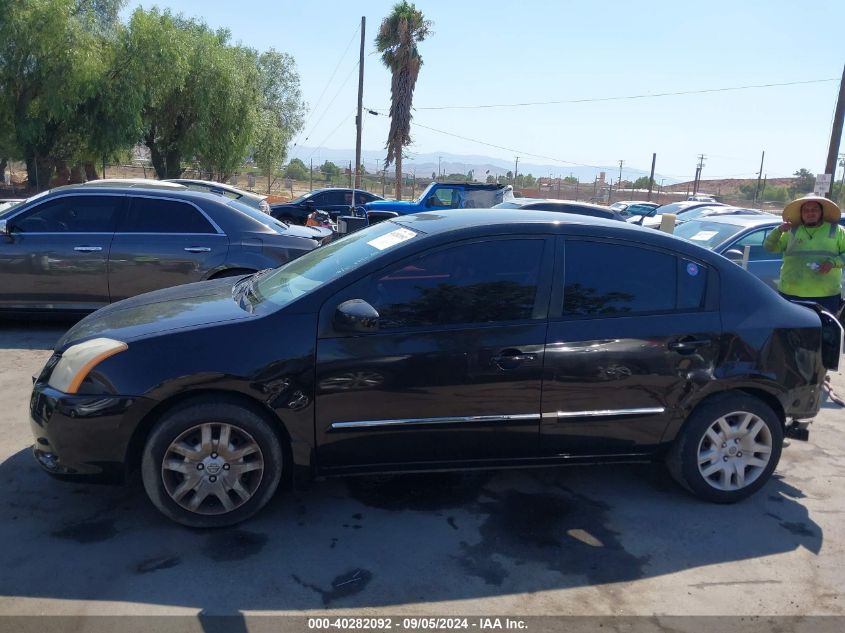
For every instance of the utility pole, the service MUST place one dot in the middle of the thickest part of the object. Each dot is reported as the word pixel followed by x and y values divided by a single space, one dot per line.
pixel 515 171
pixel 358 121
pixel 311 177
pixel 698 171
pixel 842 183
pixel 765 178
pixel 620 174
pixel 836 132
pixel 651 176
pixel 759 176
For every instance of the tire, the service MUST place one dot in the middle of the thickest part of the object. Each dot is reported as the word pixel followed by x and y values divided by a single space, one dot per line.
pixel 728 448
pixel 237 480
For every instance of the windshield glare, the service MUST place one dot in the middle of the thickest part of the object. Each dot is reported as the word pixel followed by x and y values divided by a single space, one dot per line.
pixel 327 263
pixel 706 234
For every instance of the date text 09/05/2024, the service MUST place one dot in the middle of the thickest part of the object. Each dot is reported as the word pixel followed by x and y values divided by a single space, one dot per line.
pixel 415 623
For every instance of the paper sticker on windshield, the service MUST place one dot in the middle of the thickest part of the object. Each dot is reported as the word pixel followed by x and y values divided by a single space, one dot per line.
pixel 692 269
pixel 703 236
pixel 392 239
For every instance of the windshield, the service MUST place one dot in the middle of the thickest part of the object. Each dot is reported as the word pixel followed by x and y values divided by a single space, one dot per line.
pixel 706 233
pixel 324 264
pixel 260 216
pixel 698 212
pixel 424 193
pixel 302 198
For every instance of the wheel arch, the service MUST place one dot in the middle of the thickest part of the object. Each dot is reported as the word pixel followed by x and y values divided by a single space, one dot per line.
pixel 135 449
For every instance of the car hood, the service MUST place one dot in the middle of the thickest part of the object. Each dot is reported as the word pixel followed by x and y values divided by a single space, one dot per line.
pixel 186 306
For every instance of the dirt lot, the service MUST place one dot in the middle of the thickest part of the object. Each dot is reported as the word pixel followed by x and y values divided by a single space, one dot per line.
pixel 620 540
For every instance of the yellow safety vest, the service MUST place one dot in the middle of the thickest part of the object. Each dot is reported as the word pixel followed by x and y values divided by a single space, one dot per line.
pixel 804 250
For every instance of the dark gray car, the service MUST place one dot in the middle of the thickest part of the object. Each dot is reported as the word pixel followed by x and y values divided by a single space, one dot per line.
pixel 81 247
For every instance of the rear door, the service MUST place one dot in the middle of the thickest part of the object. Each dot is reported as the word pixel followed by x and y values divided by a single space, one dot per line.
pixel 633 331
pixel 163 242
pixel 57 252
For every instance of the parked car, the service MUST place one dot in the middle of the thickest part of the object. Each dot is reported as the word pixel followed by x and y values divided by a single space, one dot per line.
pixel 480 340
pixel 622 205
pixel 709 211
pixel 678 208
pixel 443 195
pixel 80 247
pixel 335 201
pixel 255 200
pixel 729 235
pixel 563 206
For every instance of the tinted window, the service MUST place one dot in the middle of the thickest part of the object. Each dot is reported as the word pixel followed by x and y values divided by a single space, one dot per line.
pixel 604 279
pixel 330 198
pixel 71 214
pixel 152 215
pixel 482 282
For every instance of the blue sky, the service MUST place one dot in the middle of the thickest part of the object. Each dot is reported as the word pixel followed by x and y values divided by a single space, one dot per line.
pixel 494 52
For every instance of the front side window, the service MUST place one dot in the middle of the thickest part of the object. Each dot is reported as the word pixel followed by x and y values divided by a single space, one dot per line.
pixel 71 214
pixel 154 215
pixel 482 282
pixel 442 198
pixel 608 279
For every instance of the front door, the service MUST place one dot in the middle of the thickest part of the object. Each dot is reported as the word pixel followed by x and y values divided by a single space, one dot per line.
pixel 633 332
pixel 454 373
pixel 56 253
pixel 161 243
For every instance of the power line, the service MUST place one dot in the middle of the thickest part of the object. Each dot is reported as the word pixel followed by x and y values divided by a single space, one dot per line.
pixel 339 90
pixel 329 82
pixel 344 120
pixel 626 97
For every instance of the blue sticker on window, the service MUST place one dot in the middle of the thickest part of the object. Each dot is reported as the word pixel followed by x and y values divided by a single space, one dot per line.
pixel 692 269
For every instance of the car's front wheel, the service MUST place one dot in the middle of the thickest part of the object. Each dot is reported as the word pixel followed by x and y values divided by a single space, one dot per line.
pixel 211 464
pixel 728 448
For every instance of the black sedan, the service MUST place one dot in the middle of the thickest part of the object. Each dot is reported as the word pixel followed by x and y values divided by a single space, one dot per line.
pixel 335 201
pixel 438 341
pixel 80 247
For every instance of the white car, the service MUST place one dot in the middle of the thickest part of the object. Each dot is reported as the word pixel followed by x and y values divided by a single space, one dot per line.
pixel 247 197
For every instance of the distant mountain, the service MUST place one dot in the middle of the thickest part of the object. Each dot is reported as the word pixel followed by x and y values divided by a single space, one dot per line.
pixel 481 166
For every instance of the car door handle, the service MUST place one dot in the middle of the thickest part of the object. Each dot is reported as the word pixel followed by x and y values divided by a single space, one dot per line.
pixel 689 344
pixel 513 360
pixel 198 249
pixel 88 249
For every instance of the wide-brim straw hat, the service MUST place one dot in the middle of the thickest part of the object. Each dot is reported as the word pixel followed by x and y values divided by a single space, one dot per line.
pixel 830 210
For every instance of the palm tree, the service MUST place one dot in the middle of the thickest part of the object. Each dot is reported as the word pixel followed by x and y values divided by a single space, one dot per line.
pixel 397 42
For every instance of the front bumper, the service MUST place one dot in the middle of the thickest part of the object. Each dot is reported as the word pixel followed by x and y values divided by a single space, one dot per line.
pixel 84 437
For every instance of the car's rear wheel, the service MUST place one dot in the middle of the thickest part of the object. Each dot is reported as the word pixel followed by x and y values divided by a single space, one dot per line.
pixel 728 449
pixel 211 464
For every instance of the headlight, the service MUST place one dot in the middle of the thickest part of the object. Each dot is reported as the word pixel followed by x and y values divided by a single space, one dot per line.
pixel 78 360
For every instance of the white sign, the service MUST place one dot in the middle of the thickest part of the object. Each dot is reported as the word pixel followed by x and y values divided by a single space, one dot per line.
pixel 392 239
pixel 822 183
pixel 703 236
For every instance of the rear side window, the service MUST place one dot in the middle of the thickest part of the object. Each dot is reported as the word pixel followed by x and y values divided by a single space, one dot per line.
pixel 71 214
pixel 607 279
pixel 153 215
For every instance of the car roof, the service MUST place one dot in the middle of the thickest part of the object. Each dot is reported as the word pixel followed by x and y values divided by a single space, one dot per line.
pixel 174 191
pixel 220 185
pixel 131 182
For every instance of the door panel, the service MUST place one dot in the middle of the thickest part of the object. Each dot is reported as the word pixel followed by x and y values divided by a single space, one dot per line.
pixel 636 334
pixel 162 243
pixel 454 375
pixel 56 255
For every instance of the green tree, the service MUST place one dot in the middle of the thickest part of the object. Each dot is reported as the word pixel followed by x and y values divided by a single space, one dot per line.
pixel 330 170
pixel 642 183
pixel 805 181
pixel 296 170
pixel 270 146
pixel 572 180
pixel 509 176
pixel 397 40
pixel 528 181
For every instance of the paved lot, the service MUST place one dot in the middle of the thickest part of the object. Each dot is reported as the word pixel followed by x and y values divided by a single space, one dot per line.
pixel 585 540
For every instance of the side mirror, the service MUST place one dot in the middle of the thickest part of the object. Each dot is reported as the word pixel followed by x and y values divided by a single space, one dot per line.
pixel 309 204
pixel 4 228
pixel 356 315
pixel 733 254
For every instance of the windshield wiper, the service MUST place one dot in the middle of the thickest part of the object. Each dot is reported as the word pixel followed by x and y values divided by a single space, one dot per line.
pixel 245 288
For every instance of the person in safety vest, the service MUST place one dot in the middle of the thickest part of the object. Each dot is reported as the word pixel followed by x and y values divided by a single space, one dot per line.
pixel 813 247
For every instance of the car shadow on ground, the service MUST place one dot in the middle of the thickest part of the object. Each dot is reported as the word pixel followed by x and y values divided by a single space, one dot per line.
pixel 33 333
pixel 384 541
